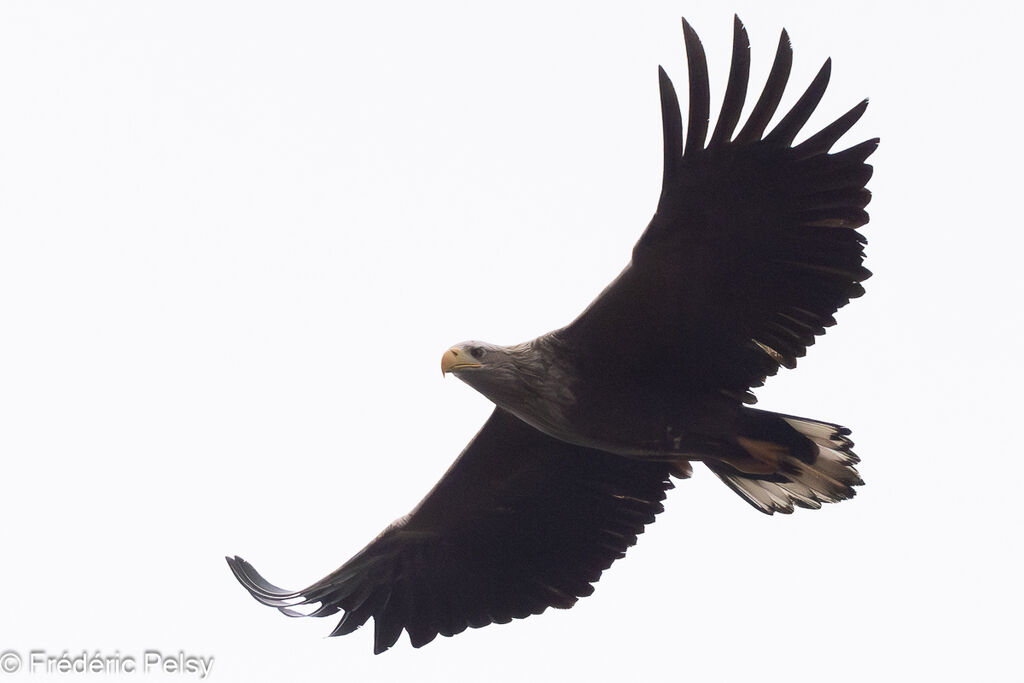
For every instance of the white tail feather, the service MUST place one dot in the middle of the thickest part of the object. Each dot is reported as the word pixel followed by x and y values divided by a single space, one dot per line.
pixel 829 479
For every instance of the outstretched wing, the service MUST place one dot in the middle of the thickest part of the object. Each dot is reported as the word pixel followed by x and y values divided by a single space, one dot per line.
pixel 754 244
pixel 519 523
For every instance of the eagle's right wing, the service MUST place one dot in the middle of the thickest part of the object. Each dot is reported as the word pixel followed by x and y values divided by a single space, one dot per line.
pixel 519 523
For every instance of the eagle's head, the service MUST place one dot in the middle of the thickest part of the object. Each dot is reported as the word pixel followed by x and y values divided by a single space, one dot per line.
pixel 481 365
pixel 520 378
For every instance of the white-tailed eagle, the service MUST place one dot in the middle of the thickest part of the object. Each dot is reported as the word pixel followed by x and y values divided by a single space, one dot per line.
pixel 753 248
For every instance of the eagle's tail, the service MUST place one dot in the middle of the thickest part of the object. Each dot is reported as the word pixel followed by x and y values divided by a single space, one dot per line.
pixel 792 461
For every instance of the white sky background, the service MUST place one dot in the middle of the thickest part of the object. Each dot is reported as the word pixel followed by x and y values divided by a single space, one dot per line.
pixel 237 237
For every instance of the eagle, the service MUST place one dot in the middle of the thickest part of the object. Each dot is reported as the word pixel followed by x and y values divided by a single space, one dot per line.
pixel 752 249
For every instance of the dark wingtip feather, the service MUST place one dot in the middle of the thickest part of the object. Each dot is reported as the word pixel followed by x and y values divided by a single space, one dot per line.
pixel 392 618
pixel 347 624
pixel 736 89
pixel 770 97
pixel 258 587
pixel 822 141
pixel 420 638
pixel 672 125
pixel 370 605
pixel 267 593
pixel 700 92
pixel 869 145
pixel 784 133
pixel 385 634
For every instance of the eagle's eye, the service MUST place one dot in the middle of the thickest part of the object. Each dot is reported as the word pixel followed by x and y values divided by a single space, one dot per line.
pixel 476 352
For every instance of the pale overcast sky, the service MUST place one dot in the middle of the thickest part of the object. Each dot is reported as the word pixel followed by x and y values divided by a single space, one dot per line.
pixel 235 239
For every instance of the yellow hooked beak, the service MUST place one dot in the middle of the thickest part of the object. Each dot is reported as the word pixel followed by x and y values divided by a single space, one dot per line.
pixel 455 359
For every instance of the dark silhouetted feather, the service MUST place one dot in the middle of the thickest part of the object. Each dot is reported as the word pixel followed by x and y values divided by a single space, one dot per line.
pixel 770 97
pixel 700 94
pixel 822 141
pixel 736 89
pixel 672 125
pixel 784 133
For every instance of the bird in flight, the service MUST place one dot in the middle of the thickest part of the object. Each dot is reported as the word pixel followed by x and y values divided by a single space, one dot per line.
pixel 752 249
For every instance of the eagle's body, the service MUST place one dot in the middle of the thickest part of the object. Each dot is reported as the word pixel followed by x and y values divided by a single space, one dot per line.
pixel 753 248
pixel 556 388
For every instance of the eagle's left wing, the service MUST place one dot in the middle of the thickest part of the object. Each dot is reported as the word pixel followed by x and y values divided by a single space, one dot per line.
pixel 754 245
